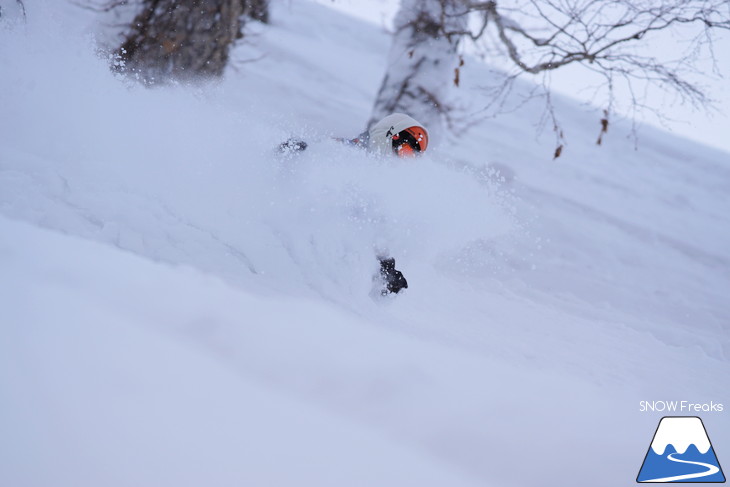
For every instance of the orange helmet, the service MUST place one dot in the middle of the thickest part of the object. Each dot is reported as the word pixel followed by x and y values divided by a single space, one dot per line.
pixel 410 141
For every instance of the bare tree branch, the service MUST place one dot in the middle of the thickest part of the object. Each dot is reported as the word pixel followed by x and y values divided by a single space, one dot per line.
pixel 539 36
pixel 107 6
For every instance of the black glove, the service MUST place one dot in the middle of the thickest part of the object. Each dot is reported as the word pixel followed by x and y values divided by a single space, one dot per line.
pixel 392 278
pixel 291 146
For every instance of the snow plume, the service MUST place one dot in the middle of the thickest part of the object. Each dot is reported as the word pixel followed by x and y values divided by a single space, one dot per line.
pixel 191 177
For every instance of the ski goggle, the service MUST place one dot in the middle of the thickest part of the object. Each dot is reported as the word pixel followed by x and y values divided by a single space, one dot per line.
pixel 410 142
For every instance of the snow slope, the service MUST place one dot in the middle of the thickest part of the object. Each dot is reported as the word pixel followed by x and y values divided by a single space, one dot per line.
pixel 112 388
pixel 224 334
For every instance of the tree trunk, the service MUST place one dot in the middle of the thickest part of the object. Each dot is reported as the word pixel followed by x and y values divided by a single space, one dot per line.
pixel 421 61
pixel 181 39
pixel 257 10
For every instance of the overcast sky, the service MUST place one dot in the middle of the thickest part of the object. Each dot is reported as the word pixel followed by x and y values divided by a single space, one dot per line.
pixel 709 128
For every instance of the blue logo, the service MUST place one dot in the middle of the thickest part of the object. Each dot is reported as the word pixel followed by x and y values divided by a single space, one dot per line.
pixel 681 452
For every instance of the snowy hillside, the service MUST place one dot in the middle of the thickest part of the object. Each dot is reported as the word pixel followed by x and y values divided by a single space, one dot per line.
pixel 182 306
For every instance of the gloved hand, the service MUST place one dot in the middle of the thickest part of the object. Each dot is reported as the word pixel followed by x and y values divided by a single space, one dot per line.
pixel 292 145
pixel 392 278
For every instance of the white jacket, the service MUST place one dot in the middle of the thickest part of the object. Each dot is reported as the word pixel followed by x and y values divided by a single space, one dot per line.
pixel 381 134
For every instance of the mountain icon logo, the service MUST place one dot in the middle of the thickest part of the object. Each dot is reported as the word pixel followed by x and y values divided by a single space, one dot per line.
pixel 681 452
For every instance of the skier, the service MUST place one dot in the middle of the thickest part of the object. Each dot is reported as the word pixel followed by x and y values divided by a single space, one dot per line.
pixel 395 135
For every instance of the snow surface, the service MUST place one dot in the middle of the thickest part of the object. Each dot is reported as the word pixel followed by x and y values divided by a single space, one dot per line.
pixel 180 306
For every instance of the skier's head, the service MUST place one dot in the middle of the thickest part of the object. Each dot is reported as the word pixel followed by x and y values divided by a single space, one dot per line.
pixel 398 134
pixel 410 142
